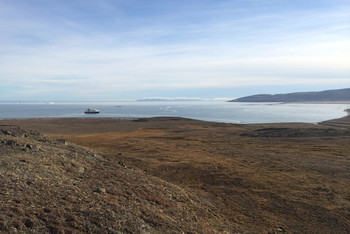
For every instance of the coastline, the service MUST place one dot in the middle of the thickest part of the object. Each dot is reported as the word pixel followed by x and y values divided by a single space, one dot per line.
pixel 219 112
pixel 70 120
pixel 320 102
pixel 347 111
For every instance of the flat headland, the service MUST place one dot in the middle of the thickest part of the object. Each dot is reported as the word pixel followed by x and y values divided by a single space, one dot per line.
pixel 170 174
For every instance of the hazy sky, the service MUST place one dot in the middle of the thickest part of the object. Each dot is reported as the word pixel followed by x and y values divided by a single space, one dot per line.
pixel 129 49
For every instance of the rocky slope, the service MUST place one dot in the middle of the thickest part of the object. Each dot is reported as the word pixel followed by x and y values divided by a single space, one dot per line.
pixel 51 186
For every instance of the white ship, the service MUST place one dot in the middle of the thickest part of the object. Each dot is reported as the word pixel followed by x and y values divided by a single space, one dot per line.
pixel 92 111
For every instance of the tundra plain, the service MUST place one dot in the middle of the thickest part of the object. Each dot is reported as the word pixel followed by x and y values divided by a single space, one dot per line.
pixel 211 177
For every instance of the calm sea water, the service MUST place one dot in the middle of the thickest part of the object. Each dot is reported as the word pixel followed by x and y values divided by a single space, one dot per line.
pixel 217 111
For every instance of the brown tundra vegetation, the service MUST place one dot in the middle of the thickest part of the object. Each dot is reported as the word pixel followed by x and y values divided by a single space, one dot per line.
pixel 173 175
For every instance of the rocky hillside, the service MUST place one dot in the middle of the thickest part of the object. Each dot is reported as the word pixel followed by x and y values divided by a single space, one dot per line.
pixel 51 186
pixel 323 96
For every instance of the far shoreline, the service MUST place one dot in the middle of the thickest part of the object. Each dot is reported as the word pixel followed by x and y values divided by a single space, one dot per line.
pixel 322 102
pixel 177 118
pixel 343 122
pixel 301 102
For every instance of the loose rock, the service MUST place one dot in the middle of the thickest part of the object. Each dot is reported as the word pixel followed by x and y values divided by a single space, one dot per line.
pixel 100 190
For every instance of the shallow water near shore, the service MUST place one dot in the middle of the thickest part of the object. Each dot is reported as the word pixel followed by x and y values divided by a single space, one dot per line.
pixel 217 111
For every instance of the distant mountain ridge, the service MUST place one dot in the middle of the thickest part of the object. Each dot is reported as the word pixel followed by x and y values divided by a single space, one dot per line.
pixel 321 96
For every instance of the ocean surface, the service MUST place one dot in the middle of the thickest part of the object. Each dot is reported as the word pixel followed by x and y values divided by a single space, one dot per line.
pixel 217 111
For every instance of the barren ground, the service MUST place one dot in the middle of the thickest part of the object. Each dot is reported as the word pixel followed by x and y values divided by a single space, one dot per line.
pixel 267 178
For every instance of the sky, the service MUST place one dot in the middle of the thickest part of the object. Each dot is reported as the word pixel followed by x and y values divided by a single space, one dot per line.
pixel 109 50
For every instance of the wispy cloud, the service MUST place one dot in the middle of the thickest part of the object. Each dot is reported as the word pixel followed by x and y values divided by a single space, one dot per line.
pixel 112 46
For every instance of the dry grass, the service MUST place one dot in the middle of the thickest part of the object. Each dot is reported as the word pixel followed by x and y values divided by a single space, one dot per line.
pixel 288 177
